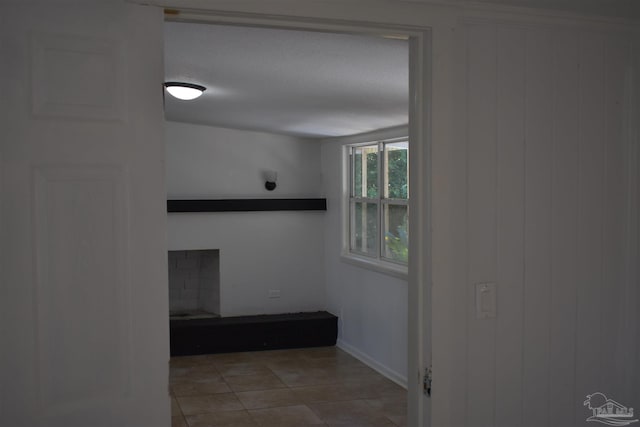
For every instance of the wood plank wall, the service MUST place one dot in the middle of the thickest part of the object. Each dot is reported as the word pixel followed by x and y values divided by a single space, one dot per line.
pixel 550 218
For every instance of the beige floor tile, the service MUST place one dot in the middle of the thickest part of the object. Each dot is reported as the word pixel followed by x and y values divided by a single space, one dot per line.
pixel 227 358
pixel 188 361
pixel 192 405
pixel 300 377
pixel 399 421
pixel 390 406
pixel 287 416
pixel 333 362
pixel 285 365
pixel 279 388
pixel 236 369
pixel 178 421
pixel 271 356
pixel 331 354
pixel 290 353
pixel 350 413
pixel 378 387
pixel 357 374
pixel 176 373
pixel 268 398
pixel 209 370
pixel 265 381
pixel 194 373
pixel 327 393
pixel 317 352
pixel 200 387
pixel 356 369
pixel 175 408
pixel 288 366
pixel 222 419
pixel 380 423
pixel 306 375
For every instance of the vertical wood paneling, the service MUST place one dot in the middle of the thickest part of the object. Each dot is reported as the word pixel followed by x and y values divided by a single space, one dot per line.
pixel 537 231
pixel 564 231
pixel 632 291
pixel 550 188
pixel 613 341
pixel 590 217
pixel 481 107
pixel 510 140
pixel 459 309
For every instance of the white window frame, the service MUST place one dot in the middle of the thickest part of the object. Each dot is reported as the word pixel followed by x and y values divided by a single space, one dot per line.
pixel 377 262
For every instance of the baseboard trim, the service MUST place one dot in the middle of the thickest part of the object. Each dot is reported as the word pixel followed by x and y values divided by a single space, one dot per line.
pixel 394 376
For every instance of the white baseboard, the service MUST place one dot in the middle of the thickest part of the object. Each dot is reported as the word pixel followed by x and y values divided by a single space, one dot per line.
pixel 401 380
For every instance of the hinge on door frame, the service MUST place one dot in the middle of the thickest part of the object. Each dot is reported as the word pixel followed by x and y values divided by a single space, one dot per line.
pixel 427 379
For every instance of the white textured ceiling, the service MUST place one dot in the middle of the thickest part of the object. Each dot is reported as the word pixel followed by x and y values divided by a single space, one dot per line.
pixel 290 82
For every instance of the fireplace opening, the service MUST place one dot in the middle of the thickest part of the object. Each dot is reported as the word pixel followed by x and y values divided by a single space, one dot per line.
pixel 194 284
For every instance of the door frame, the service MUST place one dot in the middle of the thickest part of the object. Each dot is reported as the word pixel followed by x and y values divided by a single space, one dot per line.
pixel 420 77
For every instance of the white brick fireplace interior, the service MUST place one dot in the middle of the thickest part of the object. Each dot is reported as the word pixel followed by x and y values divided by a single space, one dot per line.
pixel 194 283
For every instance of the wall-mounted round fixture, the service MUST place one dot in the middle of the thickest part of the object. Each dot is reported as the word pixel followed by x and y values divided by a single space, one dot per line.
pixel 270 180
pixel 184 91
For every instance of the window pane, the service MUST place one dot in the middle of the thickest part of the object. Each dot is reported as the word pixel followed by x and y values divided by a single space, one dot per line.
pixel 396 170
pixel 356 167
pixel 364 228
pixel 365 171
pixel 396 237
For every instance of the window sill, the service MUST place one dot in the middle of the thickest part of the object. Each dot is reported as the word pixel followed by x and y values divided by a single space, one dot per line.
pixel 387 268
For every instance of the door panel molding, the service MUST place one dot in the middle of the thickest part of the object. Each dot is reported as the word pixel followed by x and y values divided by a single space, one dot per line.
pixel 76 76
pixel 80 222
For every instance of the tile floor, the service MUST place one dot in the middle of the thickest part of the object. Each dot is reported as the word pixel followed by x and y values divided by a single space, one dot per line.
pixel 320 386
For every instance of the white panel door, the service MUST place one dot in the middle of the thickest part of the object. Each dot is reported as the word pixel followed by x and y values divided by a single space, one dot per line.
pixel 83 296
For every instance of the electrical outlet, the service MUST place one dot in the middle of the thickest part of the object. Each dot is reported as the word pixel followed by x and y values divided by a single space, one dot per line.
pixel 274 293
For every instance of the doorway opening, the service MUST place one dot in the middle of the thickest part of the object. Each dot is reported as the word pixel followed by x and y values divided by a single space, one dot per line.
pixel 417 310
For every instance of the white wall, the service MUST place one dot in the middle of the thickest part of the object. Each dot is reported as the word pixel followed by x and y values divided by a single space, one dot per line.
pixel 371 306
pixel 259 251
pixel 205 161
pixel 545 174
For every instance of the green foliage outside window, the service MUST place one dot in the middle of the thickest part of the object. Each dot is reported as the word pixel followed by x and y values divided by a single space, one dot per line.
pixel 371 177
pixel 398 243
pixel 379 216
pixel 398 187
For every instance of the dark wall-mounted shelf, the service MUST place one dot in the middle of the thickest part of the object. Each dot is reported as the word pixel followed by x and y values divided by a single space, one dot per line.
pixel 246 205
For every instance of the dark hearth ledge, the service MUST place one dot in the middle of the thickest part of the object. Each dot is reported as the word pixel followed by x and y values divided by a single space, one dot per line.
pixel 251 333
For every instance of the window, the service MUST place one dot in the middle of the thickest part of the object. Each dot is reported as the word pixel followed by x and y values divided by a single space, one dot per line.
pixel 378 201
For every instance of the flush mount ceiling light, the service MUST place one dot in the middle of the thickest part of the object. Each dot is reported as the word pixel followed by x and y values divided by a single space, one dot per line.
pixel 184 91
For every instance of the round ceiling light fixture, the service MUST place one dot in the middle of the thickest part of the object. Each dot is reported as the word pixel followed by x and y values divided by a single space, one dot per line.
pixel 184 91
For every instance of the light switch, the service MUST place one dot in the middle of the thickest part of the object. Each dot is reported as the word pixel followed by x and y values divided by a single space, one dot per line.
pixel 485 300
